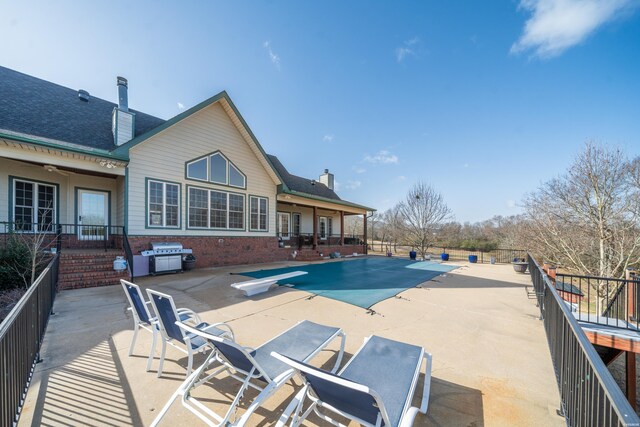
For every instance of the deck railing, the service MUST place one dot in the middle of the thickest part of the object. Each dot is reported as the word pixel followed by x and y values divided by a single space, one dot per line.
pixel 304 240
pixel 602 299
pixel 66 236
pixel 21 335
pixel 128 252
pixel 588 393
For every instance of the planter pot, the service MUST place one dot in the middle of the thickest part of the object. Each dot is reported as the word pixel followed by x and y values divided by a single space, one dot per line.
pixel 473 259
pixel 412 255
pixel 520 267
pixel 444 257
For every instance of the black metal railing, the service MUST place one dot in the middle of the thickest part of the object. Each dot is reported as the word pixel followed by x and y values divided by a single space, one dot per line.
pixel 304 240
pixel 499 256
pixel 589 395
pixel 69 236
pixel 21 335
pixel 601 300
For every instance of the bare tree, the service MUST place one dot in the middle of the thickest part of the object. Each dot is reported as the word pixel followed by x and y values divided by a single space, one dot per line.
pixel 423 212
pixel 587 220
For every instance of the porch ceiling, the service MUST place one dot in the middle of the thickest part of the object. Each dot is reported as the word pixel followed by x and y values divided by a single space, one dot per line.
pixel 61 157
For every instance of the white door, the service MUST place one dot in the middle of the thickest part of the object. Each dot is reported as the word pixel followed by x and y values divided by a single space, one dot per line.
pixel 322 228
pixel 93 215
pixel 284 223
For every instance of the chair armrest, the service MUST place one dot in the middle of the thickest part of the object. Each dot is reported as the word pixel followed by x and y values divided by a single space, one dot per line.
pixel 220 325
pixel 409 417
pixel 194 316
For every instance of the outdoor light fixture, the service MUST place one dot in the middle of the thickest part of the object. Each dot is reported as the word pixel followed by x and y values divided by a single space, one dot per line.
pixel 108 164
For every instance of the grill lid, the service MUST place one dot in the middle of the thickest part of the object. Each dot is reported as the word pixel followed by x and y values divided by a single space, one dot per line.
pixel 166 246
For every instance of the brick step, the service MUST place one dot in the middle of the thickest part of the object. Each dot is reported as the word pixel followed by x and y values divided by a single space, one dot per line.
pixel 93 274
pixel 78 284
pixel 77 268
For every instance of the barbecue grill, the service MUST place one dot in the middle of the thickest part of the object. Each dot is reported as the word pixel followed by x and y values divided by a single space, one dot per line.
pixel 165 257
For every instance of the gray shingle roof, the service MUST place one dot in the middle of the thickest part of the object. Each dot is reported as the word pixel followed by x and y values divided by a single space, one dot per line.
pixel 43 109
pixel 300 184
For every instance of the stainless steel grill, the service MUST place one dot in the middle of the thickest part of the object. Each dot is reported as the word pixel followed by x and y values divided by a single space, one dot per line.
pixel 165 257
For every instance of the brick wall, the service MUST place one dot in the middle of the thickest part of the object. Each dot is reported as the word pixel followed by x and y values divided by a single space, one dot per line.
pixel 218 251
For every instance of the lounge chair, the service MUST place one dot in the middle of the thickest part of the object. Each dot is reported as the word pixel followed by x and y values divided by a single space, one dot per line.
pixel 142 317
pixel 174 335
pixel 375 388
pixel 254 368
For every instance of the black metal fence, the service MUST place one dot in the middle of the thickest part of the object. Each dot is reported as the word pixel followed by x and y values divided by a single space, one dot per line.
pixel 21 335
pixel 304 240
pixel 602 300
pixel 69 236
pixel 128 252
pixel 589 395
pixel 499 256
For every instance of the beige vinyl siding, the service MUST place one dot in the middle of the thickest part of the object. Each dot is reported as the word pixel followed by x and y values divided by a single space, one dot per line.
pixel 164 156
pixel 306 219
pixel 67 186
pixel 119 201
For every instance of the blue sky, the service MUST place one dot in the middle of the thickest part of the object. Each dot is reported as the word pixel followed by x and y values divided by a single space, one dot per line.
pixel 483 100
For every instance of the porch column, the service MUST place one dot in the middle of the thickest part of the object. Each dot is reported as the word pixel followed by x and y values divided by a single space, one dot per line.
pixel 341 228
pixel 366 244
pixel 315 227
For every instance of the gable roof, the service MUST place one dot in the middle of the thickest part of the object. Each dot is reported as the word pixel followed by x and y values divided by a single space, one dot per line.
pixel 36 107
pixel 300 184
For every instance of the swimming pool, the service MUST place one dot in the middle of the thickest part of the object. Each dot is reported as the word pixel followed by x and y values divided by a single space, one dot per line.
pixel 362 282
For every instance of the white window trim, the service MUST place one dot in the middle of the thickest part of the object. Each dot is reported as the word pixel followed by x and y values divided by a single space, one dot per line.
pixel 34 202
pixel 279 231
pixel 209 227
pixel 186 172
pixel 326 227
pixel 164 203
pixel 228 165
pixel 266 223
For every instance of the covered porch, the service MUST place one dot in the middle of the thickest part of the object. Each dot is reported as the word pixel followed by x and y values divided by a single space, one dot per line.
pixel 303 222
pixel 75 198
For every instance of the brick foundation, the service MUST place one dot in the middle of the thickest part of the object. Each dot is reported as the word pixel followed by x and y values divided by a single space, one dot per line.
pixel 212 251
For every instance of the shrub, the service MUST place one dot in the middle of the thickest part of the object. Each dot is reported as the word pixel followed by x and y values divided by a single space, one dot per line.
pixel 15 264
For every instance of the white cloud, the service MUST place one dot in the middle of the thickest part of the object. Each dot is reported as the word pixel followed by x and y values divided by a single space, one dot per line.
pixel 180 106
pixel 401 178
pixel 328 138
pixel 275 59
pixel 407 49
pixel 466 165
pixel 352 185
pixel 358 169
pixel 382 157
pixel 511 204
pixel 556 25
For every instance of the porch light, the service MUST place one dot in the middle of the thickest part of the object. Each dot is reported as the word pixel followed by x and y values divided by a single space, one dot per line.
pixel 108 164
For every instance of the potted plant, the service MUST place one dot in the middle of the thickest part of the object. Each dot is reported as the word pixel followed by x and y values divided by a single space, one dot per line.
pixel 520 265
pixel 188 262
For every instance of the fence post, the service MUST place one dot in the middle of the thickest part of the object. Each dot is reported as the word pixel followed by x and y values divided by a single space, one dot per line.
pixel 630 276
pixel 58 238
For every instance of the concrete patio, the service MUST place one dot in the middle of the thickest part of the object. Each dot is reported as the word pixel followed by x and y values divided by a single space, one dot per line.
pixel 491 363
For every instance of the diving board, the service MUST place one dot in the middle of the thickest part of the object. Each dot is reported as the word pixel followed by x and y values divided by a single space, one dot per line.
pixel 257 286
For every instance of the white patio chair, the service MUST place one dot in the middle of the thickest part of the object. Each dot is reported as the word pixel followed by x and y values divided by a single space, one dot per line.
pixel 375 388
pixel 172 334
pixel 142 317
pixel 254 368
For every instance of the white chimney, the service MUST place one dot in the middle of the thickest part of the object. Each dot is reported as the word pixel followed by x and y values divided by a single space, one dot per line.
pixel 327 179
pixel 122 123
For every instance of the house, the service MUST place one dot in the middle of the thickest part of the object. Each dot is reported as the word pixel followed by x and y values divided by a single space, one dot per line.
pixel 97 174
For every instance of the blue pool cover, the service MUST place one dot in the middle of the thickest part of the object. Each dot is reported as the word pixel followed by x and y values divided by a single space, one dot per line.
pixel 362 282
